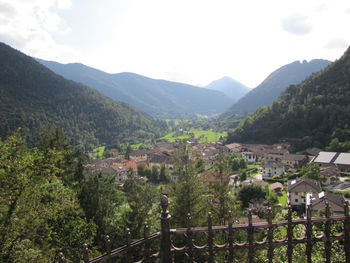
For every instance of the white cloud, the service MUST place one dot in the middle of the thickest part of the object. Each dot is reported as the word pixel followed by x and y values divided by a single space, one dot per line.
pixel 29 24
pixel 64 4
pixel 297 24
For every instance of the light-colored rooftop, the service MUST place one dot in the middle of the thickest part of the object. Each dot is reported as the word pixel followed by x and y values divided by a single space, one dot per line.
pixel 324 157
pixel 343 158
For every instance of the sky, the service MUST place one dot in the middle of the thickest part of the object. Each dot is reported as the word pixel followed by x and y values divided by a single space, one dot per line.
pixel 190 41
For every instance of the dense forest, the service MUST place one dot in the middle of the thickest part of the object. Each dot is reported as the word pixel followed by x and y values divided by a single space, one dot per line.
pixel 313 113
pixel 34 98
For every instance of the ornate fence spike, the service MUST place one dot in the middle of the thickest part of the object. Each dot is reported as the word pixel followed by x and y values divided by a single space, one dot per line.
pixel 210 238
pixel 308 234
pixel 270 236
pixel 230 238
pixel 327 242
pixel 108 244
pixel 290 235
pixel 250 231
pixel 86 253
pixel 60 257
pixel 147 243
pixel 347 232
pixel 128 242
pixel 165 243
pixel 189 237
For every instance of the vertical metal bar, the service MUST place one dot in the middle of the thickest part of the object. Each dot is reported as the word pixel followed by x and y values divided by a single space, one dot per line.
pixel 230 238
pixel 147 243
pixel 347 232
pixel 327 242
pixel 250 237
pixel 189 236
pixel 210 238
pixel 308 234
pixel 86 253
pixel 270 236
pixel 290 235
pixel 165 245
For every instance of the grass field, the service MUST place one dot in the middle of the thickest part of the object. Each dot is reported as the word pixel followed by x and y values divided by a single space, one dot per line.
pixel 98 152
pixel 205 136
pixel 282 199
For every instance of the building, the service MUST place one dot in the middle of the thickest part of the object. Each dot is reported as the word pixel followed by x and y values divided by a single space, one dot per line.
pixel 335 202
pixel 294 160
pixel 249 157
pixel 330 174
pixel 341 160
pixel 271 169
pixel 299 188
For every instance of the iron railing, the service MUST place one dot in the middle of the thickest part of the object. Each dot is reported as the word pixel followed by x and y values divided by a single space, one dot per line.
pixel 167 251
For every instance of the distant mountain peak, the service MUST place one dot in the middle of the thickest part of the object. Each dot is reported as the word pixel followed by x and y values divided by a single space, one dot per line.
pixel 229 86
pixel 277 82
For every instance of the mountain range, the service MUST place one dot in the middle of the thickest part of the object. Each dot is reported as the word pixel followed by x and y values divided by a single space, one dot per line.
pixel 160 98
pixel 232 88
pixel 32 97
pixel 277 82
pixel 311 113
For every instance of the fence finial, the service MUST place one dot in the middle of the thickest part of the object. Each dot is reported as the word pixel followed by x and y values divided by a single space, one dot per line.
pixel 86 253
pixel 60 257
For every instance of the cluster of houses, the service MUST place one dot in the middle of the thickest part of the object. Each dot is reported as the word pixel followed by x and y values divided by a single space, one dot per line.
pixel 275 161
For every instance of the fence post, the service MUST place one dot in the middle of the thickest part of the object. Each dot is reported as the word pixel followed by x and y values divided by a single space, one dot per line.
pixel 165 245
pixel 147 243
pixel 189 235
pixel 290 235
pixel 347 232
pixel 86 253
pixel 250 237
pixel 270 236
pixel 128 242
pixel 308 234
pixel 210 238
pixel 230 238
pixel 327 243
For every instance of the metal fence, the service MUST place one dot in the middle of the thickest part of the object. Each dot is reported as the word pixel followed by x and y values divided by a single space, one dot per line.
pixel 159 247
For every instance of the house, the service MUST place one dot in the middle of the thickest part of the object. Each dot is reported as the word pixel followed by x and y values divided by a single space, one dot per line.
pixel 271 169
pixel 139 155
pixel 294 160
pixel 299 188
pixel 276 187
pixel 330 174
pixel 249 157
pixel 253 181
pixel 335 201
pixel 233 148
pixel 341 160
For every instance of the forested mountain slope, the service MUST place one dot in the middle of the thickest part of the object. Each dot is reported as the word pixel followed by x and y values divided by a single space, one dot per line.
pixel 318 107
pixel 277 82
pixel 33 97
pixel 159 98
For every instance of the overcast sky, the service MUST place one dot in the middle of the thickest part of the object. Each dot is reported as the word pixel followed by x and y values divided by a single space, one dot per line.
pixel 191 41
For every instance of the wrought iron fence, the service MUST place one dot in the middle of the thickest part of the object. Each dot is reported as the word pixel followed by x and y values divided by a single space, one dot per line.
pixel 166 251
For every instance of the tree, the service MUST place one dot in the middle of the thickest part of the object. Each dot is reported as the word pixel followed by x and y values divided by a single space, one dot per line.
pixel 221 188
pixel 311 171
pixel 188 193
pixel 39 215
pixel 252 192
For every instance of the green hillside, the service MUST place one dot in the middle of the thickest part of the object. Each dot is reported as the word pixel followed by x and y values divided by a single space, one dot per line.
pixel 160 98
pixel 272 87
pixel 318 108
pixel 33 97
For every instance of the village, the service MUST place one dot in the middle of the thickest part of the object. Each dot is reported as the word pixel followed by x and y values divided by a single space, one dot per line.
pixel 272 166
